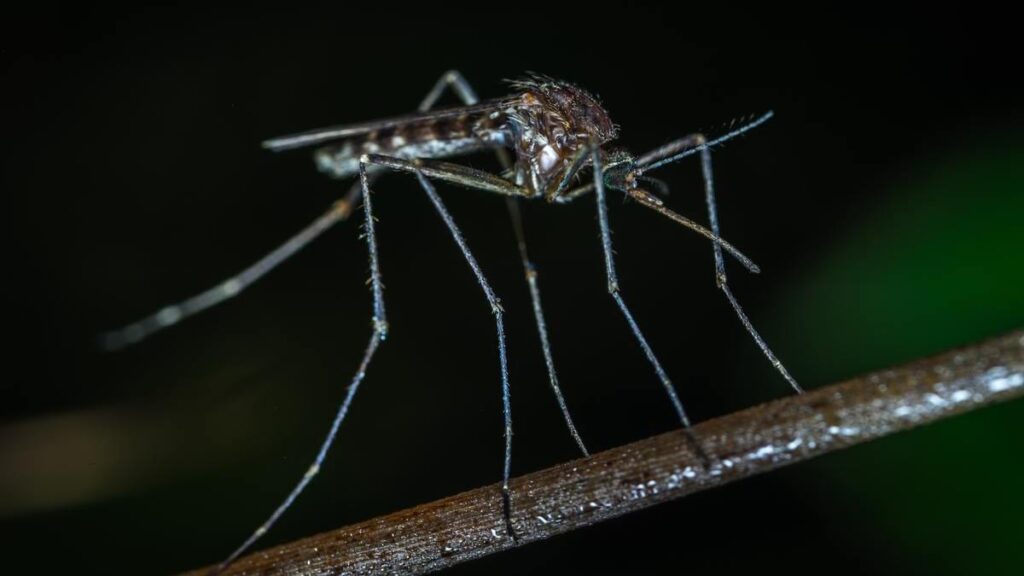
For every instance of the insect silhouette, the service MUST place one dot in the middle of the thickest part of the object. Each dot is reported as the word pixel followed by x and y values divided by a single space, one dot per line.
pixel 547 135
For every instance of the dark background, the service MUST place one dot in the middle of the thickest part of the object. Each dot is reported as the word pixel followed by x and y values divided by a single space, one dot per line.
pixel 883 202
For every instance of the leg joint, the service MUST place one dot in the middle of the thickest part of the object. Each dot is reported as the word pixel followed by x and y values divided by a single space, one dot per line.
pixel 313 470
pixel 380 327
pixel 496 308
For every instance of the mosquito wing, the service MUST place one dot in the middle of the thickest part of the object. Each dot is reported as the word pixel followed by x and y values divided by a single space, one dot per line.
pixel 399 123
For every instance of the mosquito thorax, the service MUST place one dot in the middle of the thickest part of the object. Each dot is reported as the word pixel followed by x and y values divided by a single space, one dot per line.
pixel 552 122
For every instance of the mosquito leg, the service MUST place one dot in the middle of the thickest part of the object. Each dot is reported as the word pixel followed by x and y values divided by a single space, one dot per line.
pixel 449 172
pixel 575 193
pixel 720 277
pixel 456 82
pixel 698 144
pixel 538 316
pixel 613 289
pixel 360 190
pixel 616 294
pixel 484 181
pixel 492 299
pixel 452 80
pixel 174 313
pixel 380 330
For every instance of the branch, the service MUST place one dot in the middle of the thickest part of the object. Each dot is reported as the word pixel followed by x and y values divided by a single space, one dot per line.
pixel 583 492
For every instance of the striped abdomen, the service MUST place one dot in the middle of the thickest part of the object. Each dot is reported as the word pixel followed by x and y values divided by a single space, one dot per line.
pixel 428 135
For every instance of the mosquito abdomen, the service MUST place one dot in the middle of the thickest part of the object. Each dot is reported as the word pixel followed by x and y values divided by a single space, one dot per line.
pixel 421 138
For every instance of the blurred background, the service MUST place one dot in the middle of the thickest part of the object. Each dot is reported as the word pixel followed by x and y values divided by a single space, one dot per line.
pixel 884 204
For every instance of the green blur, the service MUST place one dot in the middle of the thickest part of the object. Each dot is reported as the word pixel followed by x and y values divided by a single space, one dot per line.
pixel 937 265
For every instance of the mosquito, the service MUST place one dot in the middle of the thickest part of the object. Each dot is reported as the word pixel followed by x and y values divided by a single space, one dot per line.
pixel 547 134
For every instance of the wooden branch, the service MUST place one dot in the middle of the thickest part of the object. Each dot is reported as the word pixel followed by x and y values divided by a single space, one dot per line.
pixel 434 536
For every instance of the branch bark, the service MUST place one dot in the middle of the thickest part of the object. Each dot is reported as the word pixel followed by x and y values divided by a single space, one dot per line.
pixel 579 493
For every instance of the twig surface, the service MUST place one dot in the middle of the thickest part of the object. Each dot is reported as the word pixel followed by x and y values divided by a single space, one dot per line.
pixel 582 492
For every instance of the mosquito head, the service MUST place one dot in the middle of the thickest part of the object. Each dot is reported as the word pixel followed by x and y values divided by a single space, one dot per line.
pixel 620 170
